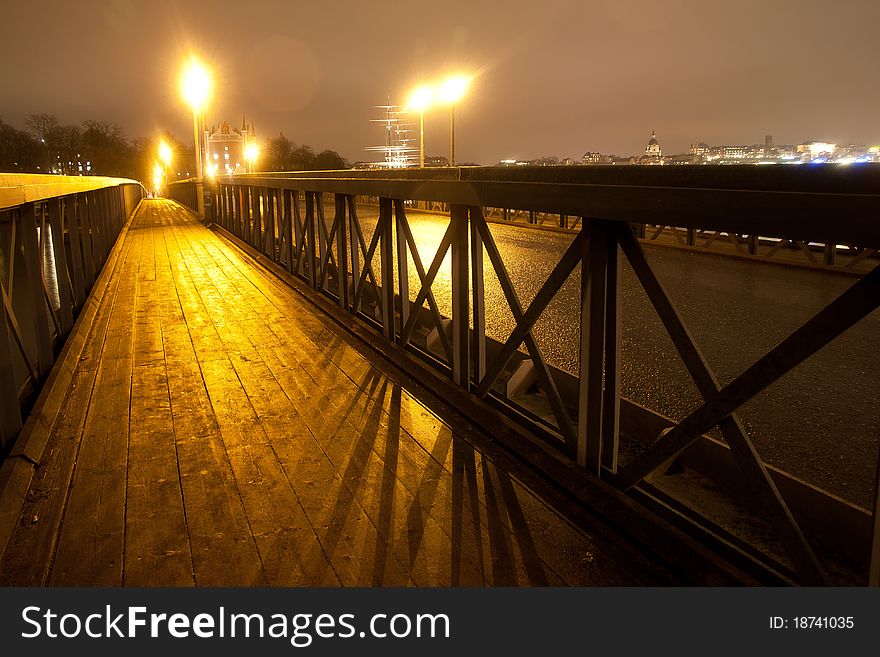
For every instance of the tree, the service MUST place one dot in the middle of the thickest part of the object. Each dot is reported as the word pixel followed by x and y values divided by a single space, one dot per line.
pixel 302 158
pixel 279 152
pixel 19 151
pixel 44 128
pixel 329 160
pixel 106 150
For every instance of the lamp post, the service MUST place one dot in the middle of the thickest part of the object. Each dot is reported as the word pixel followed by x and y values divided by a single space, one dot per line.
pixel 420 100
pixel 452 90
pixel 196 86
pixel 158 176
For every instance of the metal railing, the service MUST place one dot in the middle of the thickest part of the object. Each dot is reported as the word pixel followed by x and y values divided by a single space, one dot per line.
pixel 55 235
pixel 283 217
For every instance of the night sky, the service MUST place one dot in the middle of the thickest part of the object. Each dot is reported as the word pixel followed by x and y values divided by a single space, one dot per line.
pixel 554 77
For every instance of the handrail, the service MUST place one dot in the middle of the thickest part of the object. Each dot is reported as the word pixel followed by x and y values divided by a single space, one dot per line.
pixel 18 189
pixel 796 209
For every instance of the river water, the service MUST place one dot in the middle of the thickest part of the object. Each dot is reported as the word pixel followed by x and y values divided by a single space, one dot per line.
pixel 820 422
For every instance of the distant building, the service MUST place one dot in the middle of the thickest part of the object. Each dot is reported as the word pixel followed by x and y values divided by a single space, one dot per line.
pixel 596 158
pixel 436 161
pixel 653 153
pixel 225 147
pixel 816 149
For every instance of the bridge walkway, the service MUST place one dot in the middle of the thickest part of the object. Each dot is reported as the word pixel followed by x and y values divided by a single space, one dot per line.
pixel 213 429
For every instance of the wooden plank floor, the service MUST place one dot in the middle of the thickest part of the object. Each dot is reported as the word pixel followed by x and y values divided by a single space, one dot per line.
pixel 218 432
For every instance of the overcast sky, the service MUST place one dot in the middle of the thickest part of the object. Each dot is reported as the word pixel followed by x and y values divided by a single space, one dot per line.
pixel 553 77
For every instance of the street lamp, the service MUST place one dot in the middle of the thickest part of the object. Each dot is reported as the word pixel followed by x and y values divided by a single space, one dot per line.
pixel 196 87
pixel 420 100
pixel 251 153
pixel 452 90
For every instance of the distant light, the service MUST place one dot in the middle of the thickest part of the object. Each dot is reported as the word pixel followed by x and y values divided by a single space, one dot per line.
pixel 251 152
pixel 420 99
pixel 165 152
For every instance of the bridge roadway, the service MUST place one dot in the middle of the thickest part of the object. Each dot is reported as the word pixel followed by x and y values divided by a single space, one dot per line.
pixel 215 430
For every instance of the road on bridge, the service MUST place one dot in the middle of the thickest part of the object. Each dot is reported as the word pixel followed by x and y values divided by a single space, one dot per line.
pixel 215 430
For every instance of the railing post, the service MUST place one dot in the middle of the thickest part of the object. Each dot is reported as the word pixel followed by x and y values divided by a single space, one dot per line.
pixel 753 245
pixel 290 235
pixel 56 224
pixel 312 256
pixel 386 257
pixel 830 255
pixel 74 216
pixel 237 214
pixel 594 243
pixel 874 565
pixel 402 263
pixel 87 218
pixel 247 219
pixel 10 411
pixel 269 242
pixel 321 232
pixel 298 232
pixel 355 247
pixel 101 228
pixel 341 221
pixel 478 343
pixel 460 312
pixel 259 210
pixel 28 300
pixel 611 399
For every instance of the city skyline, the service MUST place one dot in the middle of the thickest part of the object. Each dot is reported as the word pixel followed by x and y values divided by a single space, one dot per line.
pixel 569 76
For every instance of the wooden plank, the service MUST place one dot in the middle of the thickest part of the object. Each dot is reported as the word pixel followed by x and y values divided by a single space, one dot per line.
pixel 28 556
pixel 157 550
pixel 90 545
pixel 223 549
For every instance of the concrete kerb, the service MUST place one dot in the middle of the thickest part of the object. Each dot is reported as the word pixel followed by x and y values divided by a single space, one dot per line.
pixel 18 469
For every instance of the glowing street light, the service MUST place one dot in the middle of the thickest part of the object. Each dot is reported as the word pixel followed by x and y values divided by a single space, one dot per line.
pixel 251 153
pixel 420 100
pixel 453 90
pixel 196 88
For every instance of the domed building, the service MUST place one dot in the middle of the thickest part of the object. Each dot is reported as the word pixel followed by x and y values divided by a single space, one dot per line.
pixel 653 154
